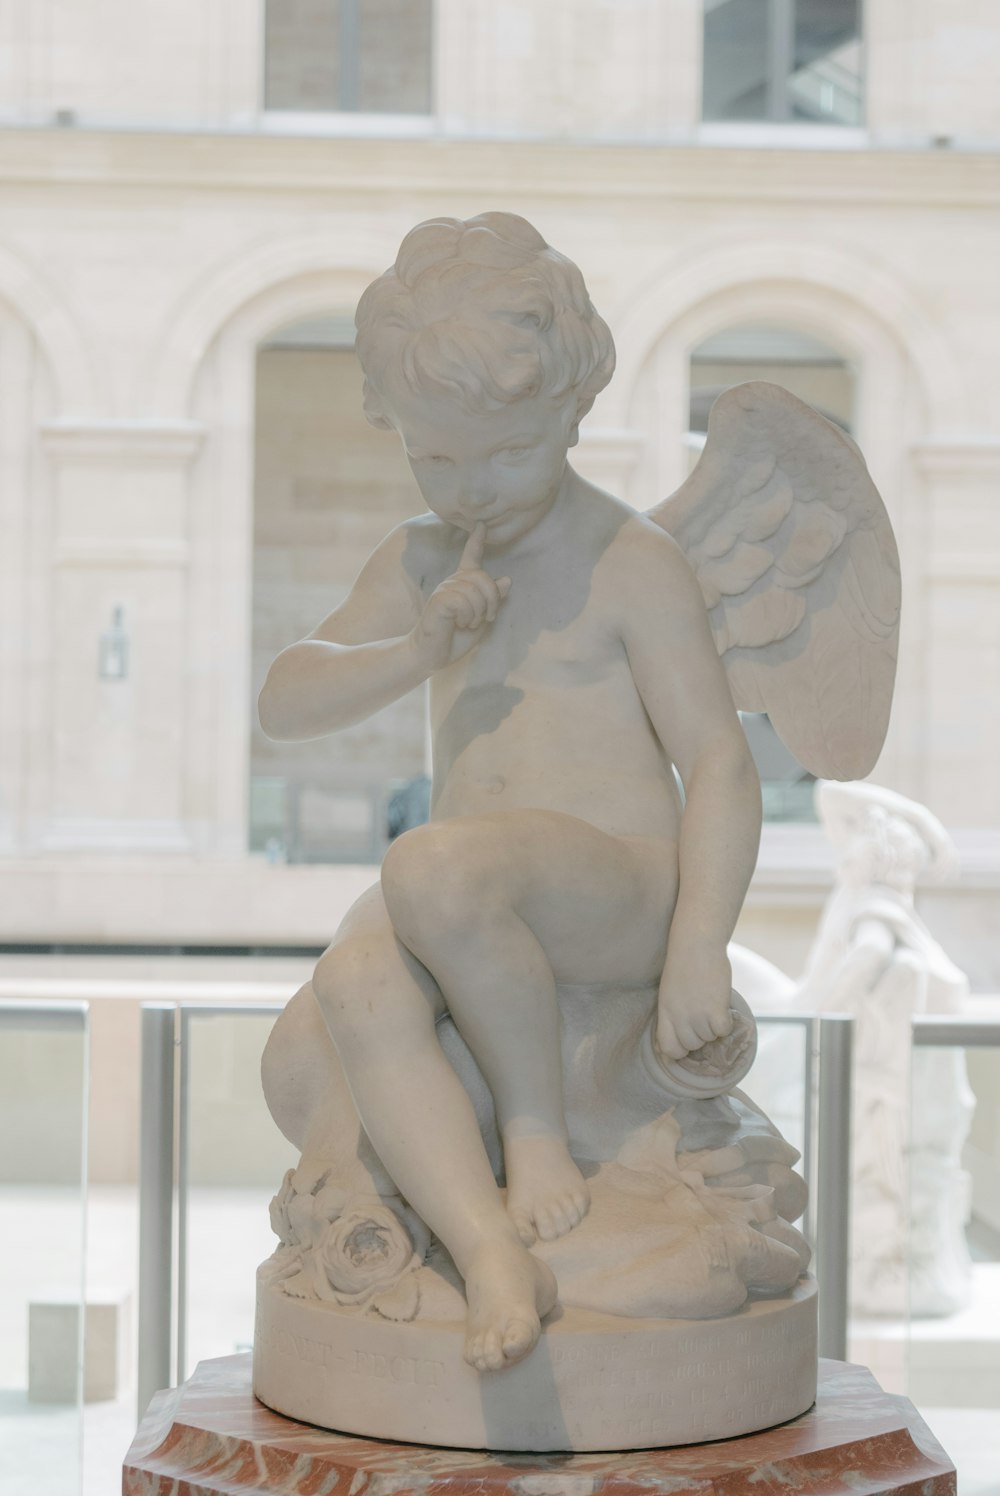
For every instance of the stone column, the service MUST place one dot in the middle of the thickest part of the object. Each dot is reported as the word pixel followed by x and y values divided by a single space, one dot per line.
pixel 962 612
pixel 106 768
pixel 19 376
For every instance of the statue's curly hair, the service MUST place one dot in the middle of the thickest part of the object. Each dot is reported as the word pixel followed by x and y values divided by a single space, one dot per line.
pixel 483 311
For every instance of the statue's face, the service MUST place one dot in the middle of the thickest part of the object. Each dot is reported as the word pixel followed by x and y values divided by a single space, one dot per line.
pixel 504 468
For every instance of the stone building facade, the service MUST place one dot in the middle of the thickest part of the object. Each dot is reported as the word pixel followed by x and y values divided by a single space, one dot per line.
pixel 183 238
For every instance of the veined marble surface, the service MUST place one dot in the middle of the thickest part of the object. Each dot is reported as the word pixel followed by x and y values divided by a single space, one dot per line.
pixel 211 1437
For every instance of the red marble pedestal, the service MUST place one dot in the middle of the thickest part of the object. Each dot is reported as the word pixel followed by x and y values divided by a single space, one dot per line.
pixel 211 1437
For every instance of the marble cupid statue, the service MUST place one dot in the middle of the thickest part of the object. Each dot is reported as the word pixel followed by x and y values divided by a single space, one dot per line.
pixel 565 913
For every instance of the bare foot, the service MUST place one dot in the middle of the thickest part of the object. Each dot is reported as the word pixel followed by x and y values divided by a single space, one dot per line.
pixel 509 1292
pixel 546 1193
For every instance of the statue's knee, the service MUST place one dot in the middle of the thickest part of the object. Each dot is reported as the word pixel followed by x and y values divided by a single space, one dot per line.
pixel 410 860
pixel 431 880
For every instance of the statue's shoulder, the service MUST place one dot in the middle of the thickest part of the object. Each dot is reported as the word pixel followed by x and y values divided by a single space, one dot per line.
pixel 644 580
pixel 641 547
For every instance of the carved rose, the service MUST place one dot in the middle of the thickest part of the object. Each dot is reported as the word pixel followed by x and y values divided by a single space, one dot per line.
pixel 366 1249
pixel 280 1223
pixel 300 1216
pixel 310 1215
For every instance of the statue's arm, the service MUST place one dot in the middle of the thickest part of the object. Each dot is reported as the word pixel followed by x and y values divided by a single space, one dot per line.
pixel 359 659
pixel 684 689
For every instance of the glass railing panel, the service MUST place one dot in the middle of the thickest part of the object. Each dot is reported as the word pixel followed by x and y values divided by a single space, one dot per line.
pixel 232 1161
pixel 802 1079
pixel 781 1080
pixel 952 1345
pixel 43 1124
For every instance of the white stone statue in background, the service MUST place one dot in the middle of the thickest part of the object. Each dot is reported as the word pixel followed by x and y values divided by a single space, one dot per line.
pixel 537 993
pixel 874 957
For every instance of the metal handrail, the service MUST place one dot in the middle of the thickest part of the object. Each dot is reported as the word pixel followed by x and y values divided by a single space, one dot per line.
pixel 16 1014
pixel 951 1031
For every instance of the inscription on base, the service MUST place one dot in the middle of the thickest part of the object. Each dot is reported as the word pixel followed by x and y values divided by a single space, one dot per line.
pixel 417 1370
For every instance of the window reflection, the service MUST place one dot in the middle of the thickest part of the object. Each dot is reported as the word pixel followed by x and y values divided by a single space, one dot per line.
pixel 783 60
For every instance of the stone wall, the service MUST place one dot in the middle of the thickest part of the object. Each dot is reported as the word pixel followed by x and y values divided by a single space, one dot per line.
pixel 571 69
pixel 142 269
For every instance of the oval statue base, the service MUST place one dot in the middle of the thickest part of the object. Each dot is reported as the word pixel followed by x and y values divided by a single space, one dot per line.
pixel 593 1382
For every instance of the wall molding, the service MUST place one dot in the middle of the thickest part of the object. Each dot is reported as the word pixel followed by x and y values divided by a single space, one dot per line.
pixel 973 454
pixel 122 553
pixel 94 834
pixel 149 442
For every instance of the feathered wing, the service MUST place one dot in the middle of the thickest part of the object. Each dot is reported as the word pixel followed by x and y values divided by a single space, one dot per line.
pixel 798 567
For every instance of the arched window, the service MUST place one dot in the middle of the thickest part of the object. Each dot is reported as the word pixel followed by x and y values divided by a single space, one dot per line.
pixel 327 489
pixel 821 376
pixel 803 364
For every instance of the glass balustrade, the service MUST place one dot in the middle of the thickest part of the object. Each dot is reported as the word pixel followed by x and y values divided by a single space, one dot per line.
pixel 950 1344
pixel 44 1375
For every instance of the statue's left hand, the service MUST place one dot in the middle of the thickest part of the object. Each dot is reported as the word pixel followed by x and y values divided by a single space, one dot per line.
pixel 694 1002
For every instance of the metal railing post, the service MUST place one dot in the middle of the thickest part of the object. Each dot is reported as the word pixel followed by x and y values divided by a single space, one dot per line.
pixel 833 1182
pixel 156 1202
pixel 183 1184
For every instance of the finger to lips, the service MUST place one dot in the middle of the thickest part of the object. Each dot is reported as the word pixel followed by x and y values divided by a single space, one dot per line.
pixel 502 587
pixel 465 615
pixel 491 591
pixel 487 589
pixel 474 548
pixel 456 606
pixel 494 591
pixel 473 603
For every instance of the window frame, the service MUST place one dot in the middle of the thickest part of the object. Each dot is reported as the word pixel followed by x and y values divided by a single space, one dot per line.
pixel 350 120
pixel 780 124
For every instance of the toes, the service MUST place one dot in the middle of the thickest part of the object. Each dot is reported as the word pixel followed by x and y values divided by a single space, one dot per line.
pixel 545 1223
pixel 487 1351
pixel 524 1226
pixel 557 1217
pixel 493 1351
pixel 518 1339
pixel 573 1209
pixel 560 1218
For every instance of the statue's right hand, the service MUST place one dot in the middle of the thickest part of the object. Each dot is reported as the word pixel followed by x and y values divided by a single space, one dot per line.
pixel 461 609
